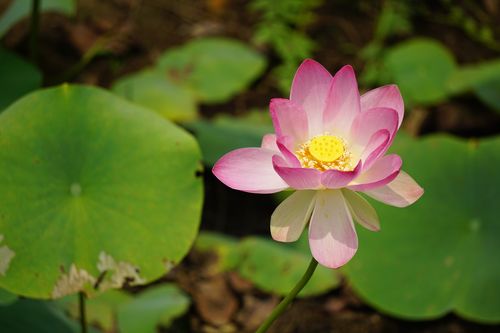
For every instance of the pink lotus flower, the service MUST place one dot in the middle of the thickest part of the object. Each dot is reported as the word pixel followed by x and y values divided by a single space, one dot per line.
pixel 329 144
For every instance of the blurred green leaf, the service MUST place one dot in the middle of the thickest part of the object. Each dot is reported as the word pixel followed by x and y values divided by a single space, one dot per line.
pixel 18 77
pixel 440 254
pixel 155 91
pixel 393 20
pixel 483 79
pixel 101 310
pixel 91 185
pixel 151 308
pixel 29 316
pixel 227 133
pixel 225 248
pixel 215 69
pixel 20 9
pixel 277 267
pixel 421 68
pixel 6 297
pixel 272 266
pixel 489 93
pixel 466 77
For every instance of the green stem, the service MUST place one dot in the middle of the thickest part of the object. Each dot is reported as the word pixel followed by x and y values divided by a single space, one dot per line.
pixel 83 316
pixel 289 298
pixel 35 21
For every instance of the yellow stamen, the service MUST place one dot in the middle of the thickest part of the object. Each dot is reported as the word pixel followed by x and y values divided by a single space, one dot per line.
pixel 326 148
pixel 325 152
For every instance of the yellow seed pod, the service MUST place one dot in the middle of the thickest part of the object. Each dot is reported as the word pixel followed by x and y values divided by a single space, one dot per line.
pixel 326 148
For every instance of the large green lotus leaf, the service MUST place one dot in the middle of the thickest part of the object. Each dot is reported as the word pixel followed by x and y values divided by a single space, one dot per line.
pixel 155 91
pixel 277 267
pixel 18 77
pixel 421 68
pixel 96 191
pixel 214 68
pixel 226 133
pixel 19 9
pixel 153 307
pixel 440 254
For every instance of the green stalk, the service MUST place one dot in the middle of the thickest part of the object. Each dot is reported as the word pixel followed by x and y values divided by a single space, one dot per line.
pixel 35 22
pixel 289 298
pixel 83 315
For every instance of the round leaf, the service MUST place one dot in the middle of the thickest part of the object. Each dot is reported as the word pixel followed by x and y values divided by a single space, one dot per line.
pixel 95 192
pixel 441 254
pixel 214 68
pixel 421 68
pixel 156 92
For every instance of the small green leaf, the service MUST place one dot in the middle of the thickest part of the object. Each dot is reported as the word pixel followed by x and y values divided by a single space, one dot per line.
pixel 489 93
pixel 18 77
pixel 276 267
pixel 466 77
pixel 440 254
pixel 215 69
pixel 421 68
pixel 226 133
pixel 483 79
pixel 6 297
pixel 153 307
pixel 96 191
pixel 28 316
pixel 20 9
pixel 225 247
pixel 273 267
pixel 101 311
pixel 155 91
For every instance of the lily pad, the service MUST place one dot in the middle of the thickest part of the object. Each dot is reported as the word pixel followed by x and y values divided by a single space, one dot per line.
pixel 215 69
pixel 421 68
pixel 155 91
pixel 153 307
pixel 20 9
pixel 18 78
pixel 440 254
pixel 96 192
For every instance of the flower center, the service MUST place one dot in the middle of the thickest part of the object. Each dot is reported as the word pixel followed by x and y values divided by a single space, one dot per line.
pixel 325 152
pixel 326 148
